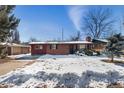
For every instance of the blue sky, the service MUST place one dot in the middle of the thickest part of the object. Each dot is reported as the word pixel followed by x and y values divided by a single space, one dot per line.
pixel 46 22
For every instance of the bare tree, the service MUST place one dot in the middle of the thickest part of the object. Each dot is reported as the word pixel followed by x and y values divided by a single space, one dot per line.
pixel 32 39
pixel 98 22
pixel 76 37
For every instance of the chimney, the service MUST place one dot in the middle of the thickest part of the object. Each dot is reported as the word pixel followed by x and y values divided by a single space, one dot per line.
pixel 88 38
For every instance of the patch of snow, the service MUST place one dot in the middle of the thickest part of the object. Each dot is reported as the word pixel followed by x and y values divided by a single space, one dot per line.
pixel 24 57
pixel 18 56
pixel 66 42
pixel 66 71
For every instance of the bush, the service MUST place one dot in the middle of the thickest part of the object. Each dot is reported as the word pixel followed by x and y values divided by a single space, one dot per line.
pixel 88 52
pixel 97 53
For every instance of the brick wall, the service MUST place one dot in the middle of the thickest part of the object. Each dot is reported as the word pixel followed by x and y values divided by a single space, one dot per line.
pixel 38 51
pixel 61 49
pixel 99 47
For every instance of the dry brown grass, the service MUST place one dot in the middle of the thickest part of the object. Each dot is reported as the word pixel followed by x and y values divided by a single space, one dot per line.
pixel 7 65
pixel 115 85
pixel 3 85
pixel 5 60
pixel 115 61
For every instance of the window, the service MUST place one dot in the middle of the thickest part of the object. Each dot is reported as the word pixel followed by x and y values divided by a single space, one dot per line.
pixel 54 46
pixel 38 47
pixel 88 46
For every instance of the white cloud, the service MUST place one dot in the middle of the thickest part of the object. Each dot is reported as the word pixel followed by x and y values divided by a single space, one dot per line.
pixel 76 13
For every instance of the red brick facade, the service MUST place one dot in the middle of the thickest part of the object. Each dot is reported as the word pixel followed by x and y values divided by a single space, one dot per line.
pixel 61 49
pixel 58 49
pixel 38 51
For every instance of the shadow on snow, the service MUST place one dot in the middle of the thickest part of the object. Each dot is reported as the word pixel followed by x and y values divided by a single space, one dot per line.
pixel 68 80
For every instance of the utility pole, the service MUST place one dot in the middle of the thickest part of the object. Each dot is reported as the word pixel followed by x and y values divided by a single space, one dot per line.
pixel 62 34
pixel 121 25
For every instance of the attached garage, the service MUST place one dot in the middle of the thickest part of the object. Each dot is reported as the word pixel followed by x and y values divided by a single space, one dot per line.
pixel 15 49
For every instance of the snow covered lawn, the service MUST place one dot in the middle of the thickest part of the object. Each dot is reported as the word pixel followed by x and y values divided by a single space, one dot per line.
pixel 66 71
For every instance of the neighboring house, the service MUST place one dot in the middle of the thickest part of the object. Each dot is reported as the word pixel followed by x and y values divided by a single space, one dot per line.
pixel 99 44
pixel 15 49
pixel 62 48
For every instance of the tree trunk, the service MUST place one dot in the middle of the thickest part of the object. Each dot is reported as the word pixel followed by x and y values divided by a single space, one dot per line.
pixel 112 58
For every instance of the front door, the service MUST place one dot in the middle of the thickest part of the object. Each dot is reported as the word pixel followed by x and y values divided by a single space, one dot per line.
pixel 73 48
